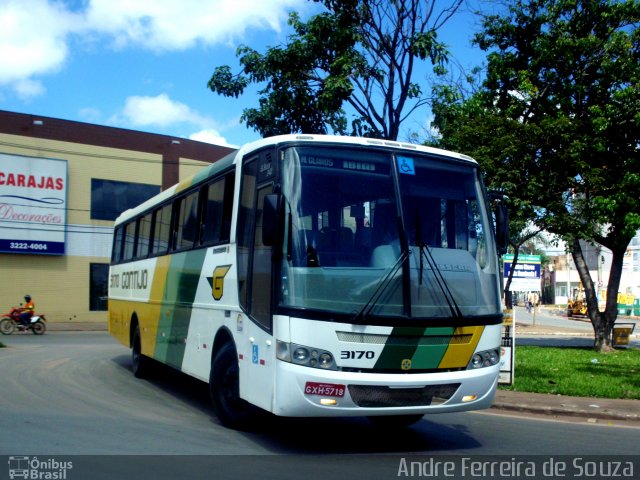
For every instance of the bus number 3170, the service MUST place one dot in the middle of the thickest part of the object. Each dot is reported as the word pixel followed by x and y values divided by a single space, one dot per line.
pixel 357 354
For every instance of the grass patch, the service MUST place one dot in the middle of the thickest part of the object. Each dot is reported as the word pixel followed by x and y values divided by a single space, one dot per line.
pixel 578 372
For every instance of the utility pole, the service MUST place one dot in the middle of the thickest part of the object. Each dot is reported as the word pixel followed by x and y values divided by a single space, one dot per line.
pixel 568 276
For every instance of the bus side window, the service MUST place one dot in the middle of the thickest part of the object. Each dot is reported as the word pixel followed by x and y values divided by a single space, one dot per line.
pixel 254 258
pixel 161 230
pixel 117 245
pixel 129 241
pixel 245 224
pixel 187 222
pixel 261 266
pixel 144 236
pixel 212 212
pixel 227 207
pixel 217 206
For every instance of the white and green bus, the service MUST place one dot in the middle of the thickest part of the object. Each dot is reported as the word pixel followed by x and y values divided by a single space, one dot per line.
pixel 313 275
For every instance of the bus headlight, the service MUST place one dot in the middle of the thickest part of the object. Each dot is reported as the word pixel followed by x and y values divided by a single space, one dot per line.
pixel 325 361
pixel 487 358
pixel 300 355
pixel 307 356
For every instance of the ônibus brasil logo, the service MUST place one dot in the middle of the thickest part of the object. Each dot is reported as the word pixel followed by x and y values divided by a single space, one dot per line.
pixel 38 469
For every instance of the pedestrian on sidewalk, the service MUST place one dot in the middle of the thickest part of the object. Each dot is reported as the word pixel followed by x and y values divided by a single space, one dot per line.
pixel 529 301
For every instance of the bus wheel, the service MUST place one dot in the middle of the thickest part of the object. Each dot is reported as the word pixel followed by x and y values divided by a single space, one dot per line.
pixel 140 364
pixel 396 421
pixel 224 389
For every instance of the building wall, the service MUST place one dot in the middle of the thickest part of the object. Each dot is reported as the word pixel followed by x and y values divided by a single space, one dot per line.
pixel 630 282
pixel 59 284
pixel 599 267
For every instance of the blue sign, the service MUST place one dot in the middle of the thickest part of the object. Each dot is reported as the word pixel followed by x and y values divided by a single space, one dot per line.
pixel 254 354
pixel 406 166
pixel 526 274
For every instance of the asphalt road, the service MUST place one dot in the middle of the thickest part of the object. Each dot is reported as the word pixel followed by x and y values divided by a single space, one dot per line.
pixel 72 393
pixel 561 331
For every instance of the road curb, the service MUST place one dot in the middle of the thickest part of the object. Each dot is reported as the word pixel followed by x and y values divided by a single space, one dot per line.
pixel 555 411
pixel 589 408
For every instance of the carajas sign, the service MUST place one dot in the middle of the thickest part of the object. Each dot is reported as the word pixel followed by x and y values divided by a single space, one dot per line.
pixel 33 204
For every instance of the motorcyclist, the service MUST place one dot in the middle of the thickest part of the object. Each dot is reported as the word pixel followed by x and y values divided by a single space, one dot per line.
pixel 27 311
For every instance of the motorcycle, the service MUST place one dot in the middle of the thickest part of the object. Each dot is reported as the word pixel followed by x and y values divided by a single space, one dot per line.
pixel 10 321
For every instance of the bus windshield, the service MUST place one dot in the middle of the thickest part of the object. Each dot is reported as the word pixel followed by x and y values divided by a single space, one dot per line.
pixel 375 234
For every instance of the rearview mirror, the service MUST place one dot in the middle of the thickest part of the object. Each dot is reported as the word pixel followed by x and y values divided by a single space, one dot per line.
pixel 502 221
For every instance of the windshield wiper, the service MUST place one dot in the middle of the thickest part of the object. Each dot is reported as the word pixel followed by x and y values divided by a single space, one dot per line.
pixel 425 254
pixel 381 287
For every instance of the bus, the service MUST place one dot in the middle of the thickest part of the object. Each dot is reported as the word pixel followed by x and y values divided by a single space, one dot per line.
pixel 311 275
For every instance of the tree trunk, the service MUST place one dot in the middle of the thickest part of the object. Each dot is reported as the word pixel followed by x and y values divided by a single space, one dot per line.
pixel 602 322
pixel 603 329
pixel 508 299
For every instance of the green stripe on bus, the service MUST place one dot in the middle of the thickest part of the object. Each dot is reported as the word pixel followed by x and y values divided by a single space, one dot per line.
pixel 429 354
pixel 411 348
pixel 179 293
pixel 202 174
pixel 401 345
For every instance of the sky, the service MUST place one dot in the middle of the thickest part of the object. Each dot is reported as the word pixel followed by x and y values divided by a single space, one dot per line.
pixel 144 64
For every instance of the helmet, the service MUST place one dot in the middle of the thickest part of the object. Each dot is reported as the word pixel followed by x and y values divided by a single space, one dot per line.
pixel 27 297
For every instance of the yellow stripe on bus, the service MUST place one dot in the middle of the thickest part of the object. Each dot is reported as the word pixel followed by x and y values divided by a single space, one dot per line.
pixel 459 354
pixel 182 186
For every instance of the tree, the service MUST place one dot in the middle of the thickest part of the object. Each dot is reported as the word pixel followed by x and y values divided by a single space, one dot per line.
pixel 557 123
pixel 362 53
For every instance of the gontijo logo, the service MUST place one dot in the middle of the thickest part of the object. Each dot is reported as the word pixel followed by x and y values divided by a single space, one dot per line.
pixel 37 469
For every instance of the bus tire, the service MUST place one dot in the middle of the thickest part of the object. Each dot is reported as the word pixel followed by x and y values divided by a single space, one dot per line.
pixel 396 421
pixel 140 364
pixel 224 388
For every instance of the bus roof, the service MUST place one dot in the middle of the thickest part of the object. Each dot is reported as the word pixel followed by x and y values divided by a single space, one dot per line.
pixel 208 171
pixel 368 142
pixel 231 159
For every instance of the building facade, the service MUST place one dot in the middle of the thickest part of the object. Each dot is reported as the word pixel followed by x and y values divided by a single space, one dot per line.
pixel 598 259
pixel 62 184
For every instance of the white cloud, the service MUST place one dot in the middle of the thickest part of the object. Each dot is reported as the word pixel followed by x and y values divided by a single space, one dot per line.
pixel 36 34
pixel 33 41
pixel 89 114
pixel 160 111
pixel 180 24
pixel 211 136
pixel 26 88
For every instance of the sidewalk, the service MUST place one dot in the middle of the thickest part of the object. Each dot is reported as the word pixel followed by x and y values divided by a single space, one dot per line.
pixel 591 410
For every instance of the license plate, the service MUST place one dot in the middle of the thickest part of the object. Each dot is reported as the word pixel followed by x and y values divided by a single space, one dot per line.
pixel 324 389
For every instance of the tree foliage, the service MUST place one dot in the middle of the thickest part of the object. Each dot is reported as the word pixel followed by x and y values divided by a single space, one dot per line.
pixel 557 125
pixel 360 53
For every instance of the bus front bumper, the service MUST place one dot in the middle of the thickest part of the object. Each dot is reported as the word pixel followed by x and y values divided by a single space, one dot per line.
pixel 309 392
